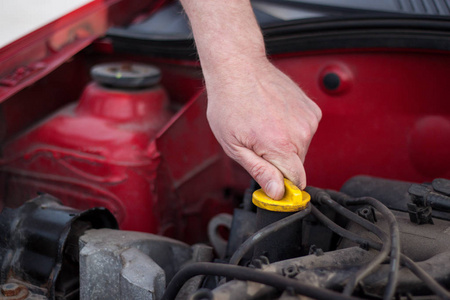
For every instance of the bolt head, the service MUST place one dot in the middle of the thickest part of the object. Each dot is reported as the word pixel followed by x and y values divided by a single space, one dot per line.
pixel 10 289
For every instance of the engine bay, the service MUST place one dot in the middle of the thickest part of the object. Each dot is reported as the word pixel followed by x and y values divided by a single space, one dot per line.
pixel 112 185
pixel 341 245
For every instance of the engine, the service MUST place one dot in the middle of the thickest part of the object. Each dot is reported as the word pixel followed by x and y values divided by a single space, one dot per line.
pixel 375 239
pixel 112 185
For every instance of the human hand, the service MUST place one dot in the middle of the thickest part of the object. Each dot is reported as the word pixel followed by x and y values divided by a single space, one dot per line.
pixel 263 120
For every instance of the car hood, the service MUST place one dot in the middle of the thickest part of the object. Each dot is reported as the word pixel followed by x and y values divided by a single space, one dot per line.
pixel 52 33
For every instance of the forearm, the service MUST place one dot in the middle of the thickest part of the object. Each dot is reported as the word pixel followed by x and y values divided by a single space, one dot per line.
pixel 227 36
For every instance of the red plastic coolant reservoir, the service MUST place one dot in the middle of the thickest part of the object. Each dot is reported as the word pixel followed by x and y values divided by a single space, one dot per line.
pixel 96 152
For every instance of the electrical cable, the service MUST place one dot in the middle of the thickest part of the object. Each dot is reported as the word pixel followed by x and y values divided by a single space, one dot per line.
pixel 344 232
pixel 265 232
pixel 374 263
pixel 431 283
pixel 282 283
pixel 323 198
pixel 243 273
pixel 394 234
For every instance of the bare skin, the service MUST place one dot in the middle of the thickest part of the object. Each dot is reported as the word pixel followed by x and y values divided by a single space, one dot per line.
pixel 261 118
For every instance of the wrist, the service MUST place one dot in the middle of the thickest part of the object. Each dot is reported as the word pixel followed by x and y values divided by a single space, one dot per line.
pixel 234 66
pixel 235 75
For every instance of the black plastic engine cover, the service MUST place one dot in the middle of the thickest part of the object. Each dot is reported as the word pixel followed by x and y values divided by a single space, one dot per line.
pixel 39 244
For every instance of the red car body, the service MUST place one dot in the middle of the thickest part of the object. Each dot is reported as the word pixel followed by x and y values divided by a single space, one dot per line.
pixel 390 117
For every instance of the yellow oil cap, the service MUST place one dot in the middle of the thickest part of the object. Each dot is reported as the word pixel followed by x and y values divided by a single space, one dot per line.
pixel 294 199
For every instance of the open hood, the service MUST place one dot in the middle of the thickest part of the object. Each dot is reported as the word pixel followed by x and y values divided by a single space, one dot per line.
pixel 27 54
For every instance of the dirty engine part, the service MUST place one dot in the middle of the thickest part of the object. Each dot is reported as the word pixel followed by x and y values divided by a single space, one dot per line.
pixel 39 246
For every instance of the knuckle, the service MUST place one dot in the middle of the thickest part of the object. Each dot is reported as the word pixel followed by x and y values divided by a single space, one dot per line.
pixel 257 171
pixel 249 139
pixel 318 112
pixel 292 171
pixel 315 109
pixel 315 122
pixel 230 152
pixel 306 132
pixel 295 179
pixel 285 145
pixel 313 118
pixel 308 127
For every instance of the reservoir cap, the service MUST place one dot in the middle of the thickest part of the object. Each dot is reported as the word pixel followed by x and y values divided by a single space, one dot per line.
pixel 126 75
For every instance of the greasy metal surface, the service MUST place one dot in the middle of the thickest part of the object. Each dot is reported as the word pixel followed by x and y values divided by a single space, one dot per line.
pixel 329 270
pixel 442 185
pixel 200 253
pixel 128 265
pixel 214 235
pixel 14 291
pixel 392 193
pixel 437 267
pixel 418 242
pixel 332 270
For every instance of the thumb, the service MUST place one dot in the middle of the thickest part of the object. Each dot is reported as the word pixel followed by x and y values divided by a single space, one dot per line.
pixel 266 174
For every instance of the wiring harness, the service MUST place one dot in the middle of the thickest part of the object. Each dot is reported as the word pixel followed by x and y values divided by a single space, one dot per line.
pixel 387 247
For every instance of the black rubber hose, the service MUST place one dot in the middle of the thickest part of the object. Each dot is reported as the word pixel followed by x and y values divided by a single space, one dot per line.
pixel 243 273
pixel 432 284
pixel 337 207
pixel 374 263
pixel 282 283
pixel 394 234
pixel 323 198
pixel 265 232
pixel 344 232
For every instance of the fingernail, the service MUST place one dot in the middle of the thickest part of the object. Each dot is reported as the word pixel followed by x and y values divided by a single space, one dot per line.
pixel 273 190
